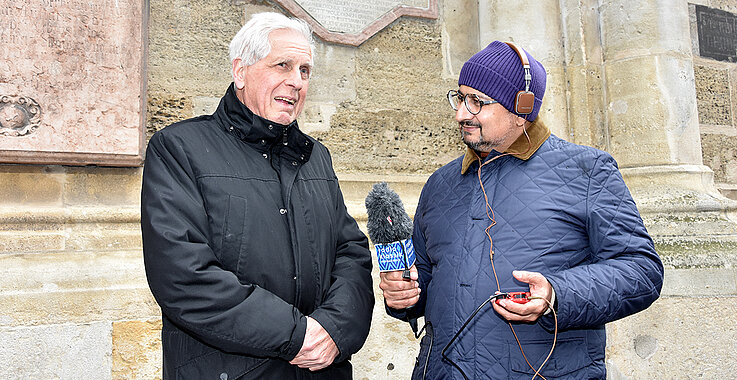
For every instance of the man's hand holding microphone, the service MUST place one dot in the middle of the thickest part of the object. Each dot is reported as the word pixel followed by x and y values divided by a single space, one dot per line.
pixel 398 292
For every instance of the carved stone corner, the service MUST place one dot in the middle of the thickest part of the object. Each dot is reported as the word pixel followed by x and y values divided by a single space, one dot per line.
pixel 19 115
pixel 356 39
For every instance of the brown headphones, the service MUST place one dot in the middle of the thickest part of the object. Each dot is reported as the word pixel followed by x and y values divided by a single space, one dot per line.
pixel 524 101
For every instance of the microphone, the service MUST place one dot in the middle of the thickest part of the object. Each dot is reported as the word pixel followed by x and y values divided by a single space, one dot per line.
pixel 390 229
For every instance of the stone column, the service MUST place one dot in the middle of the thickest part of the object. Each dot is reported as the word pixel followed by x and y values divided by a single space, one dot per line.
pixel 652 121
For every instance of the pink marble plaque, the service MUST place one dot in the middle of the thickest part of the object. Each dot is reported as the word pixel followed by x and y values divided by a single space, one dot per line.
pixel 72 81
pixel 350 22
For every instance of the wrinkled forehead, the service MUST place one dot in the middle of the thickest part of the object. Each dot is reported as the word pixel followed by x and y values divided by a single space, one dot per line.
pixel 289 43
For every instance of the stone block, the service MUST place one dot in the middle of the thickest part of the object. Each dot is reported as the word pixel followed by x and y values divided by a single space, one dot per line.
pixel 99 236
pixel 586 109
pixel 102 186
pixel 460 34
pixel 661 88
pixel 188 48
pixel 76 306
pixel 720 154
pixel 63 351
pixel 136 349
pixel 385 80
pixel 333 77
pixel 392 141
pixel 712 95
pixel 355 188
pixel 164 109
pixel 554 111
pixel 78 287
pixel 631 29
pixel 27 241
pixel 531 24
pixel 706 282
pixel 205 105
pixel 30 185
pixel 677 337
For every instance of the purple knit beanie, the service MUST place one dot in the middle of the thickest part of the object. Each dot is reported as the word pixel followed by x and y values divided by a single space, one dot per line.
pixel 497 72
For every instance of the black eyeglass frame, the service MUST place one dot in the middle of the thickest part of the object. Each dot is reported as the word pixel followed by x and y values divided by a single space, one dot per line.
pixel 464 97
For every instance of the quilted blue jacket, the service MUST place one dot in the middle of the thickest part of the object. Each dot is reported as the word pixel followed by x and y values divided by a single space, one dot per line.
pixel 562 210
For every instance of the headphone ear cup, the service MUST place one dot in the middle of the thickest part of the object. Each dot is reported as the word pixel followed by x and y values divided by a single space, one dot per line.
pixel 524 102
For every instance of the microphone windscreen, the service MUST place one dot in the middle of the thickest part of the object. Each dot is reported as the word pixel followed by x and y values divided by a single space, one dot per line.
pixel 387 220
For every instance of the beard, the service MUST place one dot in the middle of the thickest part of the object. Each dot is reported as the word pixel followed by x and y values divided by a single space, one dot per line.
pixel 481 144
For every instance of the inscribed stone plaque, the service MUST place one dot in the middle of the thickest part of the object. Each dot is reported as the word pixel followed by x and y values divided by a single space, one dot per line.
pixel 352 22
pixel 71 81
pixel 717 31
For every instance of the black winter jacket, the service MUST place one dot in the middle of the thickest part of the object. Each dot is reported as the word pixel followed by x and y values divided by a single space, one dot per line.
pixel 245 233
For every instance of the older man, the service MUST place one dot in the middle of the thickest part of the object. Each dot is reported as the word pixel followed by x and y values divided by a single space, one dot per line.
pixel 249 250
pixel 522 211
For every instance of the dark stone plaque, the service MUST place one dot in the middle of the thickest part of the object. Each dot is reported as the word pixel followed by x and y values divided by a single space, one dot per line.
pixel 717 30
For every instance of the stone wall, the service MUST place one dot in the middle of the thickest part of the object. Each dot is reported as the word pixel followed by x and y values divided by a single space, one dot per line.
pixel 73 295
pixel 716 94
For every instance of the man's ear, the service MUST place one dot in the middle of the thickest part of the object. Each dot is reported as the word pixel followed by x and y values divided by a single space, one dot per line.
pixel 239 74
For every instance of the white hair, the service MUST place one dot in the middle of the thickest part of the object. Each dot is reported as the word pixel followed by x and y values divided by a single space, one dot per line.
pixel 251 43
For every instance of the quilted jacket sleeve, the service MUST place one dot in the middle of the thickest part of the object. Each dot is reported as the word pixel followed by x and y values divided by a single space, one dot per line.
pixel 625 275
pixel 346 311
pixel 185 277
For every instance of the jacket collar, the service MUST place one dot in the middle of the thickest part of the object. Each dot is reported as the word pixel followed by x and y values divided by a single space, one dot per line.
pixel 258 132
pixel 520 148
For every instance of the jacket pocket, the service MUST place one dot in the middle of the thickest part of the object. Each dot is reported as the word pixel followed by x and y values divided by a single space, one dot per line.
pixel 569 356
pixel 233 230
pixel 423 357
pixel 219 366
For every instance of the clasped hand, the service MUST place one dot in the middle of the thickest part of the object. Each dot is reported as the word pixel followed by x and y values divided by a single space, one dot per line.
pixel 318 349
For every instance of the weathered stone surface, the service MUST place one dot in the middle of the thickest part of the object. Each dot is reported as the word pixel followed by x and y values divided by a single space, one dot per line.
pixel 654 28
pixel 89 49
pixel 102 186
pixel 720 154
pixel 677 337
pixel 712 95
pixel 460 34
pixel 136 350
pixel 48 229
pixel 706 282
pixel 164 110
pixel 63 351
pixel 26 241
pixel 77 287
pixel 397 128
pixel 661 88
pixel 22 185
pixel 391 141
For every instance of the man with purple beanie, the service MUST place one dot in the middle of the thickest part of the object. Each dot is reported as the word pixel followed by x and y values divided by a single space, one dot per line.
pixel 526 246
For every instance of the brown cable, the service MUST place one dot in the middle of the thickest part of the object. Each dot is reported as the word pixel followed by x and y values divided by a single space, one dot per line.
pixel 490 215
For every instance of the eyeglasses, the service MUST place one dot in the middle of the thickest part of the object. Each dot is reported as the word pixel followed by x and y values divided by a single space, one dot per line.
pixel 472 101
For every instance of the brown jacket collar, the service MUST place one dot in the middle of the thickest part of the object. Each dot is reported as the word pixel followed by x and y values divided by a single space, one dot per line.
pixel 538 133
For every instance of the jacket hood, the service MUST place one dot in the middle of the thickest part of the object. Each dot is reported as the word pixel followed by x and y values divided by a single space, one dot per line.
pixel 520 148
